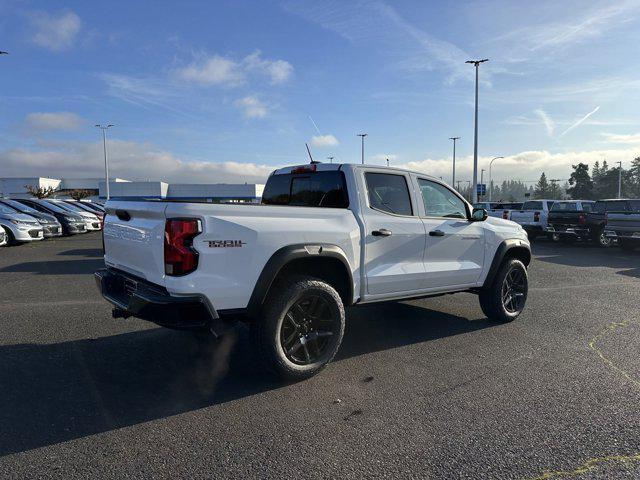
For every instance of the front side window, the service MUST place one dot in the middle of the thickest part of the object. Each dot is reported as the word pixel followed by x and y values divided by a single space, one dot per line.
pixel 389 193
pixel 439 201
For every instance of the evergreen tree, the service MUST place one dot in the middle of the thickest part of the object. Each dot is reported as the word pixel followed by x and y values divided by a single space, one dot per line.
pixel 582 185
pixel 543 189
pixel 634 178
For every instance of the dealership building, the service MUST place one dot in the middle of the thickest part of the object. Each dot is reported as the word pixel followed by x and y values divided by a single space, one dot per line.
pixel 121 188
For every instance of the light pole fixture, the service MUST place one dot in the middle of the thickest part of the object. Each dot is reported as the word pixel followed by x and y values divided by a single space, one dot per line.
pixel 362 135
pixel 476 63
pixel 491 178
pixel 104 129
pixel 619 179
pixel 453 176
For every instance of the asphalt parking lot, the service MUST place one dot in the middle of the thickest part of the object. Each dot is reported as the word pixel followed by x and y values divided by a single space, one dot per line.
pixel 425 389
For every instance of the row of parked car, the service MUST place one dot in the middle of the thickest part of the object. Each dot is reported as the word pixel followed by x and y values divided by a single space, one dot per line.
pixel 602 221
pixel 30 220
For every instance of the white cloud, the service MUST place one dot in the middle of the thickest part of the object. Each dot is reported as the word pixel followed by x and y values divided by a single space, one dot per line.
pixel 216 70
pixel 54 121
pixel 618 138
pixel 278 71
pixel 130 160
pixel 525 166
pixel 548 122
pixel 56 33
pixel 252 107
pixel 322 141
pixel 224 71
pixel 579 121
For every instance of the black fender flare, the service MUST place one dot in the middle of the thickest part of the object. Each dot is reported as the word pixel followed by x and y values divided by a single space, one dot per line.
pixel 282 257
pixel 507 246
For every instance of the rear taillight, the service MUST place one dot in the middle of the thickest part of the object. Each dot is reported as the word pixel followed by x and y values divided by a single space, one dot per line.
pixel 582 219
pixel 505 215
pixel 536 216
pixel 180 257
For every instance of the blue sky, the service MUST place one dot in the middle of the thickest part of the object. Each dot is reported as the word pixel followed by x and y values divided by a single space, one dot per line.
pixel 227 91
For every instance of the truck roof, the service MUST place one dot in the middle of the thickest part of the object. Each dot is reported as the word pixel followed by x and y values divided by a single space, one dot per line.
pixel 322 167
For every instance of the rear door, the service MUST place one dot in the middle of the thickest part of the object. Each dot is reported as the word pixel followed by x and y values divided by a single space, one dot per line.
pixel 455 245
pixel 134 238
pixel 394 235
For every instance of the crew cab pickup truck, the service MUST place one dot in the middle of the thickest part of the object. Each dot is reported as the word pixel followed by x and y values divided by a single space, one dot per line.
pixel 498 209
pixel 325 237
pixel 567 220
pixel 624 225
pixel 533 216
pixel 597 219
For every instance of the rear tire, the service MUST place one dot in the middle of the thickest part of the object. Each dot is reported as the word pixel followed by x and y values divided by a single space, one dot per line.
pixel 601 239
pixel 301 328
pixel 505 299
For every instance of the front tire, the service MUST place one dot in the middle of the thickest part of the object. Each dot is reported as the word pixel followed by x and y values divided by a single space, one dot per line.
pixel 505 299
pixel 301 328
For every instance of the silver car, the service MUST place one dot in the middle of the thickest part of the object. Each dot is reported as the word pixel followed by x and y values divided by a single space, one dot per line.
pixel 3 237
pixel 20 227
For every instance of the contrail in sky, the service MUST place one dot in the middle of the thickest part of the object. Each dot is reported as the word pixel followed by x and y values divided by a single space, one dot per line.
pixel 314 125
pixel 579 122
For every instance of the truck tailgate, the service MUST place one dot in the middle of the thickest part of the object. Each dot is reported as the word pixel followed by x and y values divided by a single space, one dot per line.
pixel 134 238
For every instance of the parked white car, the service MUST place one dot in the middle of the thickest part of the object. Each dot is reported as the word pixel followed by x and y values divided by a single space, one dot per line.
pixel 20 228
pixel 326 237
pixel 92 222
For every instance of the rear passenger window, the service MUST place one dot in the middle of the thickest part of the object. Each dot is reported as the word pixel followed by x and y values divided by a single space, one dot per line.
pixel 389 193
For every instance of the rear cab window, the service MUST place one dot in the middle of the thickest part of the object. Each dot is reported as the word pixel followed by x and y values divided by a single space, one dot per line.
pixel 310 189
pixel 532 205
pixel 565 207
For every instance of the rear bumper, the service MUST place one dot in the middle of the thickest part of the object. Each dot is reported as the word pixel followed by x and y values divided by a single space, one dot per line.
pixel 569 232
pixel 134 297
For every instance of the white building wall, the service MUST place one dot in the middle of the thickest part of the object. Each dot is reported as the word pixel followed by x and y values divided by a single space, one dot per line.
pixel 14 187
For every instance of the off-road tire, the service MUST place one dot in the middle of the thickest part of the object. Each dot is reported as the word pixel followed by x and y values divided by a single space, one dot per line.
pixel 266 330
pixel 491 298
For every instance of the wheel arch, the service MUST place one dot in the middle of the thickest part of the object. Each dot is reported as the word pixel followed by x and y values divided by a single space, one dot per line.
pixel 511 248
pixel 324 261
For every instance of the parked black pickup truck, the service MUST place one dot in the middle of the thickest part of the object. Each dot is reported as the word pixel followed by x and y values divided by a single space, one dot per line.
pixel 597 220
pixel 624 226
pixel 567 221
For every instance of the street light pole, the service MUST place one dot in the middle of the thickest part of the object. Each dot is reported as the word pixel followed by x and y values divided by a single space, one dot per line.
pixel 491 178
pixel 620 180
pixel 104 129
pixel 476 63
pixel 453 176
pixel 362 135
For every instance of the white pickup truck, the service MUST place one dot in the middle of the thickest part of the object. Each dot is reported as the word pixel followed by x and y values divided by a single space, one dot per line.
pixel 325 237
pixel 533 216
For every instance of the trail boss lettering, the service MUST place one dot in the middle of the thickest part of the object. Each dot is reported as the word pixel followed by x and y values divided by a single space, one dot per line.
pixel 226 243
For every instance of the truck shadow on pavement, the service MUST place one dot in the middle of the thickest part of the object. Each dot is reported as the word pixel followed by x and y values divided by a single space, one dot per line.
pixel 64 391
pixel 586 255
pixel 62 267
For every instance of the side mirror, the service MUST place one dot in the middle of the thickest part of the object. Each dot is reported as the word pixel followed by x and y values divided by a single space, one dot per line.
pixel 479 215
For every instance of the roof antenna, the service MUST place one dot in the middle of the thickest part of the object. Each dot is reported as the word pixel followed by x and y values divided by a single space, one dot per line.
pixel 313 162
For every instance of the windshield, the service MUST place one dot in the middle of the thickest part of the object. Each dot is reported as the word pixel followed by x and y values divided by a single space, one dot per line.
pixel 54 207
pixel 21 207
pixel 6 209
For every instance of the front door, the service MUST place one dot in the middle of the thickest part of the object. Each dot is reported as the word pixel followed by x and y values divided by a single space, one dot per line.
pixel 454 252
pixel 394 236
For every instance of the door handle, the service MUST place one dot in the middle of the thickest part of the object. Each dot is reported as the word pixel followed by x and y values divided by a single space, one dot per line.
pixel 383 232
pixel 436 233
